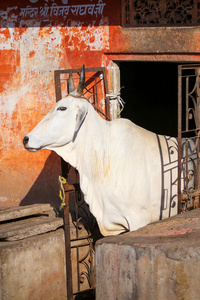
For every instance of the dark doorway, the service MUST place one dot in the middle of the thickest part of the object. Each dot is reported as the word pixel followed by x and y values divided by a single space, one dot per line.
pixel 150 92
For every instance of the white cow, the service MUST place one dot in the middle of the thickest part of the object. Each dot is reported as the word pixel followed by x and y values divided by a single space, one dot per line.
pixel 127 174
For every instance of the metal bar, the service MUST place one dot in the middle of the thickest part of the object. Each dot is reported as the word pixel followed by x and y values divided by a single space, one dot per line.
pixel 96 92
pixel 101 112
pixel 78 70
pixel 68 249
pixel 191 130
pixel 186 164
pixel 57 85
pixel 179 135
pixel 92 78
pixel 190 67
pixel 198 164
pixel 78 267
pixel 76 208
pixel 187 104
pixel 107 100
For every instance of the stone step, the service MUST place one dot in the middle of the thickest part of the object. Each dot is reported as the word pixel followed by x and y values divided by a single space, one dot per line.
pixel 12 213
pixel 22 222
pixel 22 229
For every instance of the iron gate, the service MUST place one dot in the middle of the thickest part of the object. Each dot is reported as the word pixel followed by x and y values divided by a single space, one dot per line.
pixel 188 136
pixel 96 90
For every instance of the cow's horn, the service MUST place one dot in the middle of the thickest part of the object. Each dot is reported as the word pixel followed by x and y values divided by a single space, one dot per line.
pixel 81 84
pixel 70 84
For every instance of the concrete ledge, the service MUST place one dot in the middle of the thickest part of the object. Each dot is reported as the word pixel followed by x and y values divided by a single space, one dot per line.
pixel 158 261
pixel 11 213
pixel 32 255
pixel 30 227
pixel 33 268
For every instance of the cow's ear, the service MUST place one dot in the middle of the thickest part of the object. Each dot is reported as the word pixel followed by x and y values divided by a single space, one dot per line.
pixel 80 117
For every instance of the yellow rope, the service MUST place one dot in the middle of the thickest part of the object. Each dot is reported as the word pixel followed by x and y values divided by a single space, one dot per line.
pixel 62 181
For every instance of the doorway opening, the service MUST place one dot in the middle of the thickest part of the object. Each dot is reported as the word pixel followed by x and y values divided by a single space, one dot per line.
pixel 150 90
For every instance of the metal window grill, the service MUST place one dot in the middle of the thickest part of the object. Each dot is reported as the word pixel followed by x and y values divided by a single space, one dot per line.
pixel 188 137
pixel 96 87
pixel 136 13
pixel 80 247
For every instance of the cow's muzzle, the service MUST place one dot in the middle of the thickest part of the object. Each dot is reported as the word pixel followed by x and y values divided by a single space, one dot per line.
pixel 26 145
pixel 25 141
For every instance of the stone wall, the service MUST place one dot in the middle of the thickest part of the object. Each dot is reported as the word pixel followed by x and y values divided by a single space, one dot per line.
pixel 160 261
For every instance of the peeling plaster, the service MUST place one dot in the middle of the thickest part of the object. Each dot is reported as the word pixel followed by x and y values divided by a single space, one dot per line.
pixel 5 42
pixel 30 54
pixel 44 44
pixel 93 38
pixel 8 101
pixel 40 53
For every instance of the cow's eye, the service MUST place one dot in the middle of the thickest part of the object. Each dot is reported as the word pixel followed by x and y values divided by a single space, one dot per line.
pixel 62 108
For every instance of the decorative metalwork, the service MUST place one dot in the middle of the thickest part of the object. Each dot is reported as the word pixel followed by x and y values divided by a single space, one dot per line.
pixel 172 150
pixel 96 87
pixel 169 179
pixel 188 137
pixel 82 244
pixel 160 13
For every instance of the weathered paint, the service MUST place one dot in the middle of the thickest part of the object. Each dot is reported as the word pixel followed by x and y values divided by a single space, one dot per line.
pixel 29 55
pixel 40 36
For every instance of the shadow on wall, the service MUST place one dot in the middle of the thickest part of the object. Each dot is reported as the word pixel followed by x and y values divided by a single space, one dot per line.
pixel 46 187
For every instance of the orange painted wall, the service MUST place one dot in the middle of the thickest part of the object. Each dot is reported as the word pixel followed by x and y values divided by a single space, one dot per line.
pixel 36 38
pixel 40 36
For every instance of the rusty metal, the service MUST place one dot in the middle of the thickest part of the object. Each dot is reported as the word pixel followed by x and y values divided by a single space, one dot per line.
pixel 179 135
pixel 188 137
pixel 96 89
pixel 68 189
pixel 160 13
pixel 91 91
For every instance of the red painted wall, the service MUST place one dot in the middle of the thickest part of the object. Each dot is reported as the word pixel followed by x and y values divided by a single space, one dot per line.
pixel 40 36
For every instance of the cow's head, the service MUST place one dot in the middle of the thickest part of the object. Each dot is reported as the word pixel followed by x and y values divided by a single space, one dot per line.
pixel 60 126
